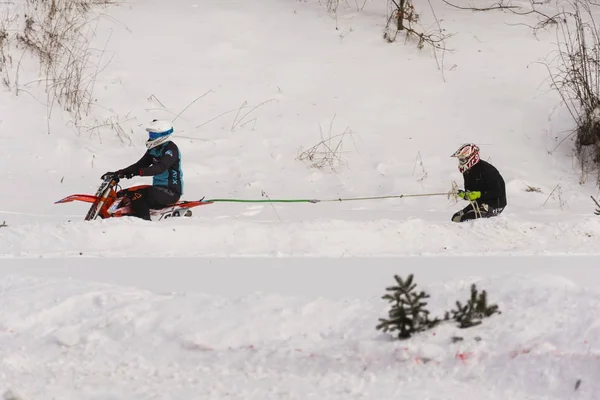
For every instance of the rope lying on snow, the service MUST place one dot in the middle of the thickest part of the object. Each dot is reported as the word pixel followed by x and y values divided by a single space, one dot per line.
pixel 399 196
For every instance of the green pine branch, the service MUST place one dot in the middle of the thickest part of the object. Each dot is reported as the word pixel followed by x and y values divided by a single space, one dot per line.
pixel 475 310
pixel 408 314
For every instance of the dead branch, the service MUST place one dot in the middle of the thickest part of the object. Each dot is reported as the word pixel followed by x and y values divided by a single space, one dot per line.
pixel 543 23
pixel 403 18
pixel 496 6
pixel 328 152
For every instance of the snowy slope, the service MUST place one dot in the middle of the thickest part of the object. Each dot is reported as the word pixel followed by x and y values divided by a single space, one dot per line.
pixel 69 339
pixel 126 309
pixel 271 77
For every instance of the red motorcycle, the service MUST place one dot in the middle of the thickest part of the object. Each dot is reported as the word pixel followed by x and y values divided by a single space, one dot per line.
pixel 111 201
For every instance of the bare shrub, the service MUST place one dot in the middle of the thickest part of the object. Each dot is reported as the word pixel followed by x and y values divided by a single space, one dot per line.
pixel 328 152
pixel 57 32
pixel 113 123
pixel 403 17
pixel 577 79
pixel 6 23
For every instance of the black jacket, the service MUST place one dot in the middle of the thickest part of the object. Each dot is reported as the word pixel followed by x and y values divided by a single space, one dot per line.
pixel 164 164
pixel 484 177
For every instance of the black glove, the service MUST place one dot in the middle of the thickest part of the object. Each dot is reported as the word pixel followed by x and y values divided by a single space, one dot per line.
pixel 110 175
pixel 118 174
pixel 127 175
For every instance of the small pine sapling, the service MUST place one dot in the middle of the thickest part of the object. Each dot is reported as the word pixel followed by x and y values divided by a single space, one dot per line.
pixel 408 314
pixel 474 311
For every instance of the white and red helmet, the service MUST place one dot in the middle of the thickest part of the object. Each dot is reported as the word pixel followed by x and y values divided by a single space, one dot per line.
pixel 468 155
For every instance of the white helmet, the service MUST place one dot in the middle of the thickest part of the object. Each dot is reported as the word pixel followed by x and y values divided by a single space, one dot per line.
pixel 159 132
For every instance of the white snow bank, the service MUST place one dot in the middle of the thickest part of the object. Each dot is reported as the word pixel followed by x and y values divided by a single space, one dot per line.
pixel 126 343
pixel 318 237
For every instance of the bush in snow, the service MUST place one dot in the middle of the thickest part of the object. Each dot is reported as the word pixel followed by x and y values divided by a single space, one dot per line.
pixel 402 17
pixel 56 33
pixel 577 78
pixel 409 314
pixel 328 152
pixel 474 311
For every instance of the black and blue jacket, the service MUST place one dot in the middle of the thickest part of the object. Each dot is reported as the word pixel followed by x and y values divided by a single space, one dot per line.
pixel 163 163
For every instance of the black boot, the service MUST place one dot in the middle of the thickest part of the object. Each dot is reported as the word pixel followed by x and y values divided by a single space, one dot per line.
pixel 140 207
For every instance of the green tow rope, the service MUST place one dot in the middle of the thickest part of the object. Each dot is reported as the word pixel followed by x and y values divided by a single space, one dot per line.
pixel 400 196
pixel 261 201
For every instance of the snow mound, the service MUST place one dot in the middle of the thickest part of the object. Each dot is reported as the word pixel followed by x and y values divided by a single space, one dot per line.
pixel 266 345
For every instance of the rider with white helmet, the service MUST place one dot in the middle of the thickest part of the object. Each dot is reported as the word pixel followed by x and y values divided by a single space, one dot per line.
pixel 162 161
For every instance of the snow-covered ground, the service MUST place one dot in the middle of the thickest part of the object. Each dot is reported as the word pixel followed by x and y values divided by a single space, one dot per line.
pixel 324 237
pixel 273 77
pixel 71 339
pixel 125 309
